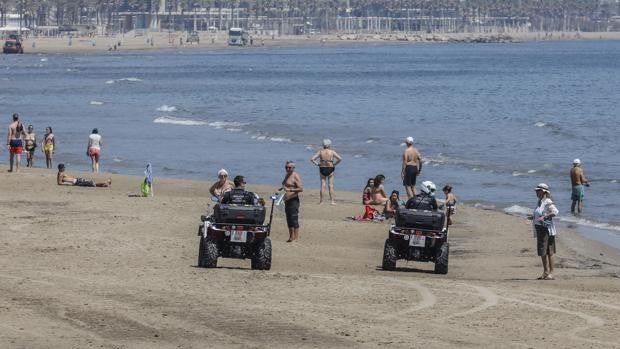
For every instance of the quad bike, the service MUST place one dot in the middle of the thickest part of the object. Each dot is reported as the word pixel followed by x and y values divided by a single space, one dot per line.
pixel 236 231
pixel 418 235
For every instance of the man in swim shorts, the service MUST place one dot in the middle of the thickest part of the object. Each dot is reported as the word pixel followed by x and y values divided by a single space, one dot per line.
pixel 292 187
pixel 62 178
pixel 15 142
pixel 578 180
pixel 412 165
pixel 326 159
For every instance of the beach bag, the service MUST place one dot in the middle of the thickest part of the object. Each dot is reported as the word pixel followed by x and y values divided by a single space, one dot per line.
pixel 145 188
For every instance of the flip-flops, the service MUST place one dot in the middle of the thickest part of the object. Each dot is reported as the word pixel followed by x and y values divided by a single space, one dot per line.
pixel 543 277
pixel 549 277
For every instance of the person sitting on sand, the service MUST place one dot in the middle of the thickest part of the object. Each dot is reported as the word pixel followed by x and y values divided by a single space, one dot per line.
pixel 393 204
pixel 366 199
pixel 425 200
pixel 62 178
pixel 222 185
pixel 377 192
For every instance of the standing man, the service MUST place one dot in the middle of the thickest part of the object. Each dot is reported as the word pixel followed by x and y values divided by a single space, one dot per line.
pixel 31 145
pixel 94 149
pixel 292 187
pixel 15 142
pixel 412 165
pixel 578 180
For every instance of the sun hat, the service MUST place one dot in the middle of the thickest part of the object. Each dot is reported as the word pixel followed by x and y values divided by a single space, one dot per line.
pixel 409 140
pixel 542 187
pixel 576 162
pixel 327 143
pixel 222 172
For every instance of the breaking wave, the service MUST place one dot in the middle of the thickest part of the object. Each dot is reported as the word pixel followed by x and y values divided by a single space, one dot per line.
pixel 179 121
pixel 167 108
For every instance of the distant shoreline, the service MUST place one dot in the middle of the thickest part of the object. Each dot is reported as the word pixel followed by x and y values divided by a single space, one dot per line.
pixel 163 40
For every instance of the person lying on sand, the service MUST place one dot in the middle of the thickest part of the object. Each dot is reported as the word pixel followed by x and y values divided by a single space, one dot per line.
pixel 62 178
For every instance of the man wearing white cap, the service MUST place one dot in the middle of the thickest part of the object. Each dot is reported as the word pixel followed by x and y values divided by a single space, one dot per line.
pixel 412 165
pixel 578 180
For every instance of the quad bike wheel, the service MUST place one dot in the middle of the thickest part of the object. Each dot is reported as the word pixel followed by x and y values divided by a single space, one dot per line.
pixel 210 252
pixel 262 255
pixel 389 256
pixel 441 259
pixel 201 248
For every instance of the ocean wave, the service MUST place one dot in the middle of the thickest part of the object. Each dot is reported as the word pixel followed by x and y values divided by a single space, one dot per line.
pixel 109 82
pixel 179 121
pixel 167 108
pixel 517 210
pixel 280 139
pixel 43 59
pixel 96 103
pixel 540 124
pixel 531 171
pixel 483 206
pixel 226 124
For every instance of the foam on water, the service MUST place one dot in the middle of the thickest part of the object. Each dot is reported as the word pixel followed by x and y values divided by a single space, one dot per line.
pixel 280 139
pixel 179 121
pixel 517 210
pixel 531 171
pixel 226 124
pixel 540 124
pixel 167 108
pixel 96 103
pixel 109 82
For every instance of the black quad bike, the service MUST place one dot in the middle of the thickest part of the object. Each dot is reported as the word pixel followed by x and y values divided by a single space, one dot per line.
pixel 236 231
pixel 418 235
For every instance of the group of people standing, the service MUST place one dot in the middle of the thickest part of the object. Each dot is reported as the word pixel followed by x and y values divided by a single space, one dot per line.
pixel 20 139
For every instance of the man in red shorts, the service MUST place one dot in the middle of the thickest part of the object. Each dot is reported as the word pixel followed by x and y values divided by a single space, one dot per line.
pixel 15 142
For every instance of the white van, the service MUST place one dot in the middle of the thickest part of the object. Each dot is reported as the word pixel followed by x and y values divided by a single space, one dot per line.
pixel 238 37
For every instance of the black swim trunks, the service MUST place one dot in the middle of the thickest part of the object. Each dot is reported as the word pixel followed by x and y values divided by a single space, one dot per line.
pixel 411 173
pixel 291 208
pixel 326 171
pixel 81 182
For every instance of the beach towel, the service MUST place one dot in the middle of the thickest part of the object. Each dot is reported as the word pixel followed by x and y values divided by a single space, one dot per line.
pixel 370 214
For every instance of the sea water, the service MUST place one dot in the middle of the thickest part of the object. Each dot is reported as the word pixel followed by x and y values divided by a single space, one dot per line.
pixel 492 120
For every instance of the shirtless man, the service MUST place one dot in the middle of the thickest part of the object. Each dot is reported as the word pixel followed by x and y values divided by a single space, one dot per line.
pixel 62 178
pixel 412 165
pixel 31 145
pixel 15 142
pixel 326 159
pixel 292 187
pixel 578 180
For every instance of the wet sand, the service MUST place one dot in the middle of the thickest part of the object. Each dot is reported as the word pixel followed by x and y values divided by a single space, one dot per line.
pixel 93 267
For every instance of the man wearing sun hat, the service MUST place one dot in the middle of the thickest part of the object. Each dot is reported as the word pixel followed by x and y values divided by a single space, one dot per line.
pixel 578 180
pixel 412 165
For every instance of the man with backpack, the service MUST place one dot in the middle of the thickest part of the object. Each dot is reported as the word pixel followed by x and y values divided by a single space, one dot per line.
pixel 15 142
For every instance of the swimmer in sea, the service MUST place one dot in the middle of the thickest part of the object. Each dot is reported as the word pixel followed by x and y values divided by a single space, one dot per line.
pixel 412 165
pixel 326 159
pixel 62 178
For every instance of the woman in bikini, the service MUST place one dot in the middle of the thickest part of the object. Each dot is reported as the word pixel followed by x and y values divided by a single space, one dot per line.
pixel 326 159
pixel 377 192
pixel 366 194
pixel 49 143
pixel 31 145
pixel 222 185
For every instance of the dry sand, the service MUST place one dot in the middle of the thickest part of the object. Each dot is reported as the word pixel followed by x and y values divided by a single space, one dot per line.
pixel 164 40
pixel 92 267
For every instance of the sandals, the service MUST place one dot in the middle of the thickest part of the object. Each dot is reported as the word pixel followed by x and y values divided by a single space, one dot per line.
pixel 546 276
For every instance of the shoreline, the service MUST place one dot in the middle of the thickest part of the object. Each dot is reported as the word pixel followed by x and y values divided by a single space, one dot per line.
pixel 160 40
pixel 92 267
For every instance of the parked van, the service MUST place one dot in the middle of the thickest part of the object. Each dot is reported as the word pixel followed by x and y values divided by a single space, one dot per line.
pixel 238 37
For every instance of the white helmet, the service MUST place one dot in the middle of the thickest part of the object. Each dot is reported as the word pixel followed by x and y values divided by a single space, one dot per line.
pixel 428 187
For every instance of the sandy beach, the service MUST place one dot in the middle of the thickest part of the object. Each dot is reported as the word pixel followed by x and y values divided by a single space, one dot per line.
pixel 93 267
pixel 164 40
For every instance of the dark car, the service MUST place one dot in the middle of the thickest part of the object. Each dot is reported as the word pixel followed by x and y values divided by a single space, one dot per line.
pixel 12 46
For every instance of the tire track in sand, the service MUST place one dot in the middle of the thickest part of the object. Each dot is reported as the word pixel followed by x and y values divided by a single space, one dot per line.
pixel 428 299
pixel 491 299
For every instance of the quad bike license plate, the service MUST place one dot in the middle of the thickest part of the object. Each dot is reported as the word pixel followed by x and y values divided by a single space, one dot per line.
pixel 417 240
pixel 238 236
